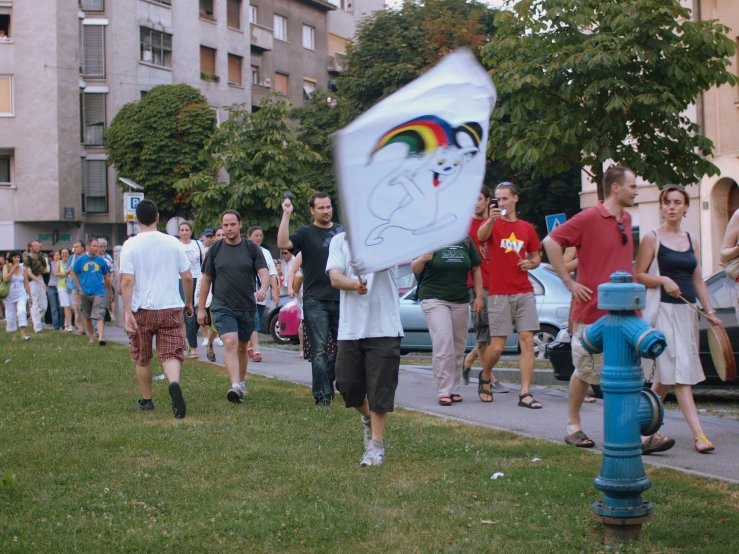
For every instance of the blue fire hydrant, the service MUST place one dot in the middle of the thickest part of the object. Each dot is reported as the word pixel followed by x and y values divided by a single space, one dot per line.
pixel 629 409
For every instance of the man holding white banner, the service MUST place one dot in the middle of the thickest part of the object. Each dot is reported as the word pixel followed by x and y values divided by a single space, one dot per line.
pixel 411 167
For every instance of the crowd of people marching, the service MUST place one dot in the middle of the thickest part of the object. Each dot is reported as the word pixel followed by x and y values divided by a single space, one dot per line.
pixel 351 323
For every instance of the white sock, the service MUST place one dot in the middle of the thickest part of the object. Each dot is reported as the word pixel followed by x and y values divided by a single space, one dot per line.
pixel 242 384
pixel 235 385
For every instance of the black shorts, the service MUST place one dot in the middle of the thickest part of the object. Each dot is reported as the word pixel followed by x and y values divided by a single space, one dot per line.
pixel 368 367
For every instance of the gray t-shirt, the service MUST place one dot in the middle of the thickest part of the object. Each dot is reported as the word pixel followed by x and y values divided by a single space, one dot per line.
pixel 233 271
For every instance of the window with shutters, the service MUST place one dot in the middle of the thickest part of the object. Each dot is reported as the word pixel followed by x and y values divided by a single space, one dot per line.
pixel 233 14
pixel 207 11
pixel 93 51
pixel 208 63
pixel 93 5
pixel 156 47
pixel 280 28
pixel 6 166
pixel 309 86
pixel 6 95
pixel 281 83
pixel 94 186
pixel 93 118
pixel 309 37
pixel 234 69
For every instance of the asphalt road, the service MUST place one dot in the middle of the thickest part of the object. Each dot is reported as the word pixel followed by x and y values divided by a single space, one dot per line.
pixel 416 391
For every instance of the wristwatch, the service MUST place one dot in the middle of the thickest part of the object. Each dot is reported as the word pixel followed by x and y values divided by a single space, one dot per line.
pixel 711 312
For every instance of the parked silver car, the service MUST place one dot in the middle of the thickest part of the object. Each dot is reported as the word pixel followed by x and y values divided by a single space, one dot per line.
pixel 552 304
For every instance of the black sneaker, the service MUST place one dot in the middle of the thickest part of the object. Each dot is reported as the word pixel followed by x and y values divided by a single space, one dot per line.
pixel 324 402
pixel 145 405
pixel 210 354
pixel 235 395
pixel 178 403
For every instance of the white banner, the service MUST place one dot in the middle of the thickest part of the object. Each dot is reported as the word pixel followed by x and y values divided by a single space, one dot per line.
pixel 411 167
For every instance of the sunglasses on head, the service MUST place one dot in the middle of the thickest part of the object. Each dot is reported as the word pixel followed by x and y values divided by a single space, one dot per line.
pixel 622 230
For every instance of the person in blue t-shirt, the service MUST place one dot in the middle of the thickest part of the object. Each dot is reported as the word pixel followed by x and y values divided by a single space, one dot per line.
pixel 91 276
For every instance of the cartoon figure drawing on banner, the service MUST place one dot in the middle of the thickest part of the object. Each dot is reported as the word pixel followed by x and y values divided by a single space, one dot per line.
pixel 409 198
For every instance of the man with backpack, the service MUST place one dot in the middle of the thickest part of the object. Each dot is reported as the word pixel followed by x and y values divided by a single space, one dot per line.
pixel 231 267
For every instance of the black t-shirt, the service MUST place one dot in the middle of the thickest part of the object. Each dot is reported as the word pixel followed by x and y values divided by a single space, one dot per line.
pixel 313 242
pixel 233 272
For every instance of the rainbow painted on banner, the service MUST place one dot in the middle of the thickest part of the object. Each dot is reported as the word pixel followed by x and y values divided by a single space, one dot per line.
pixel 425 134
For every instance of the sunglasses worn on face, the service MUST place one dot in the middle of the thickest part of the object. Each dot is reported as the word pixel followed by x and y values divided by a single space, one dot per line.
pixel 622 230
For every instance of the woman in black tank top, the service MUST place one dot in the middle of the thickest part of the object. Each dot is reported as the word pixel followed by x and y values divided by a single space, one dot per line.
pixel 676 256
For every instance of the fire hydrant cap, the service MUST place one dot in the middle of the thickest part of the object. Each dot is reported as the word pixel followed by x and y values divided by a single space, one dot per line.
pixel 621 294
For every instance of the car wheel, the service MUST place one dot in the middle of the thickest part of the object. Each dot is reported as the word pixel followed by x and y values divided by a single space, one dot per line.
pixel 546 334
pixel 274 330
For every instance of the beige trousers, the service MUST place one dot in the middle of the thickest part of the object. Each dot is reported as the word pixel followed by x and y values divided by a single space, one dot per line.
pixel 448 326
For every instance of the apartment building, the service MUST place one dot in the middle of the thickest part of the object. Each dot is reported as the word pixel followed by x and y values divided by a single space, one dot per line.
pixel 65 71
pixel 289 48
pixel 714 199
pixel 67 67
pixel 342 24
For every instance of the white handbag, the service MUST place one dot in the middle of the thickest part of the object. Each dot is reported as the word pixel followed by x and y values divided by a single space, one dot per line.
pixel 654 294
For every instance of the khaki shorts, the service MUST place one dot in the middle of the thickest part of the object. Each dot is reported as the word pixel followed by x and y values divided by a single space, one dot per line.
pixel 505 309
pixel 480 322
pixel 92 307
pixel 587 366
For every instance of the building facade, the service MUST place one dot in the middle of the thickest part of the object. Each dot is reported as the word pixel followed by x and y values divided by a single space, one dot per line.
pixel 290 48
pixel 64 76
pixel 67 68
pixel 714 199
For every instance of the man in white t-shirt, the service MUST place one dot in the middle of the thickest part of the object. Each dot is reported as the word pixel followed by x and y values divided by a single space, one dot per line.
pixel 152 264
pixel 368 359
pixel 256 235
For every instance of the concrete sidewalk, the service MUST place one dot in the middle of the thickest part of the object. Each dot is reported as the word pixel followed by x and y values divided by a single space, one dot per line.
pixel 417 391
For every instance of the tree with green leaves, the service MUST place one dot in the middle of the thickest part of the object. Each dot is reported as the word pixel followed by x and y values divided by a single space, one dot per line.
pixel 581 82
pixel 395 46
pixel 251 160
pixel 157 140
pixel 319 118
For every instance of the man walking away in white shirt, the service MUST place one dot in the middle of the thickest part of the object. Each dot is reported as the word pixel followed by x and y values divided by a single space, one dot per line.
pixel 368 359
pixel 152 264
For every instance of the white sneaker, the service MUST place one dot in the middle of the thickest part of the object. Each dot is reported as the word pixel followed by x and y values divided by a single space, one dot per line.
pixel 205 341
pixel 218 341
pixel 244 390
pixel 374 455
pixel 367 423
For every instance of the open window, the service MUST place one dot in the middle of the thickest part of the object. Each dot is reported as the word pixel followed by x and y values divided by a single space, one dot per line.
pixel 6 167
pixel 4 24
pixel 207 11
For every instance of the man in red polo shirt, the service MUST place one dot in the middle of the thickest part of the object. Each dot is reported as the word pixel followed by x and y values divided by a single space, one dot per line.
pixel 513 248
pixel 602 236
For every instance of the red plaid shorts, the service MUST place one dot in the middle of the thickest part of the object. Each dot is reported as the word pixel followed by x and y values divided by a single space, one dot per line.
pixel 167 326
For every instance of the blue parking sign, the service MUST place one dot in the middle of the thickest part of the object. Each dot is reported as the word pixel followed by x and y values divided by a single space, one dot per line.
pixel 554 221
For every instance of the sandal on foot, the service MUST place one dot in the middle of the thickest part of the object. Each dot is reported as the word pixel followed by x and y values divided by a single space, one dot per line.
pixel 466 374
pixel 709 445
pixel 579 439
pixel 250 352
pixel 445 400
pixel 455 398
pixel 589 399
pixel 257 357
pixel 657 443
pixel 529 405
pixel 484 395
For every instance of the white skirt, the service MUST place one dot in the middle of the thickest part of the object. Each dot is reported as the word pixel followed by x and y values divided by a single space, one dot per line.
pixel 65 301
pixel 679 363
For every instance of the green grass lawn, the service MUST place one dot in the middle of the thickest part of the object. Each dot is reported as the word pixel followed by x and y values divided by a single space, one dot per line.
pixel 276 474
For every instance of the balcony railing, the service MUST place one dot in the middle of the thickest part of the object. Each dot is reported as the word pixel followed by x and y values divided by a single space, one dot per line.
pixel 262 38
